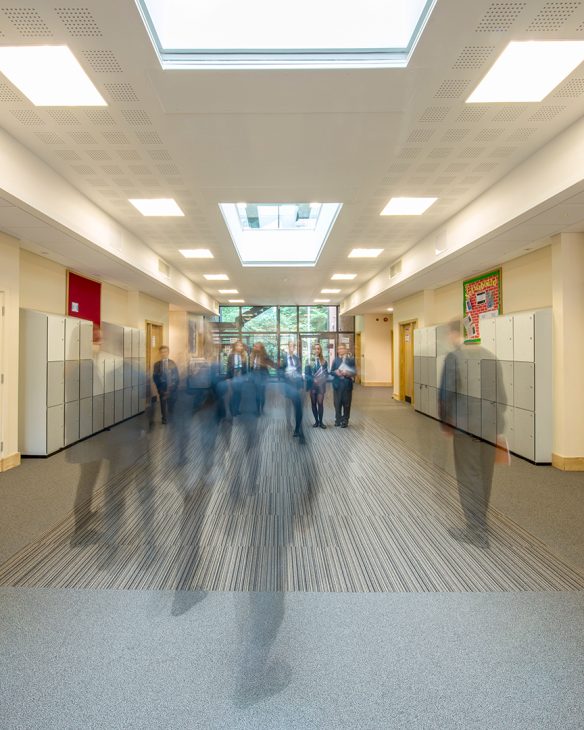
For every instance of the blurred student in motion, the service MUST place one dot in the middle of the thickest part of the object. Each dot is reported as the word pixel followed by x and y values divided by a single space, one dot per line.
pixel 474 459
pixel 316 375
pixel 291 373
pixel 166 379
pixel 343 371
pixel 259 369
pixel 237 368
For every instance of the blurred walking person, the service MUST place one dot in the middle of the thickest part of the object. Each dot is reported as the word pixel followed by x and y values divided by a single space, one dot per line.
pixel 237 368
pixel 259 370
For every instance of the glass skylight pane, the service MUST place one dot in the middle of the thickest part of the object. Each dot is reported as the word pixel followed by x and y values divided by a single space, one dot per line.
pixel 288 25
pixel 278 216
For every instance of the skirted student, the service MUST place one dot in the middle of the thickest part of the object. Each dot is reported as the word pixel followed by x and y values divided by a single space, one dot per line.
pixel 316 375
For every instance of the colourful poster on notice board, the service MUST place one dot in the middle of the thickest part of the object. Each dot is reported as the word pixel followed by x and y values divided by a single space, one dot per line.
pixel 481 297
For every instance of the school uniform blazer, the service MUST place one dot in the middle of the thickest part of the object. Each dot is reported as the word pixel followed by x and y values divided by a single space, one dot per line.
pixel 165 381
pixel 310 370
pixel 231 365
pixel 347 380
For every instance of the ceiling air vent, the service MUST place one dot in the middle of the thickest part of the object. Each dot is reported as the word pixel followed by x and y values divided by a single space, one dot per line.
pixel 163 268
pixel 395 269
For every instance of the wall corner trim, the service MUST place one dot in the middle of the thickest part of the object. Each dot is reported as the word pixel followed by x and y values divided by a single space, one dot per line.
pixel 568 463
pixel 373 384
pixel 9 462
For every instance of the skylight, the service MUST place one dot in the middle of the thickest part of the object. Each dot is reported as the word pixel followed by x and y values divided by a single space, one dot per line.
pixel 289 33
pixel 279 234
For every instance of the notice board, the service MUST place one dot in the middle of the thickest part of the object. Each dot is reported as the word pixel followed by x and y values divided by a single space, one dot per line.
pixel 83 298
pixel 481 297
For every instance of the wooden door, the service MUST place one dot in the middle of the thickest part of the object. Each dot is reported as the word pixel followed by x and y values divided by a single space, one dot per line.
pixel 358 357
pixel 153 342
pixel 406 369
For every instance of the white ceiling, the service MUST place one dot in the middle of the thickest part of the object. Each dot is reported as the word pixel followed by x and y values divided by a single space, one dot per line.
pixel 357 137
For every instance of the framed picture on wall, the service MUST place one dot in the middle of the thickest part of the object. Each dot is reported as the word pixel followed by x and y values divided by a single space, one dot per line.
pixel 481 297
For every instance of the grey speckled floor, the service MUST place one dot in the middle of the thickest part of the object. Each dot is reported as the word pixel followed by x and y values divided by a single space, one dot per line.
pixel 155 659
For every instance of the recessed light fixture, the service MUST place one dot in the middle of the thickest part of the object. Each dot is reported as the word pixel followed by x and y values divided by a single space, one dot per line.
pixel 330 291
pixel 236 301
pixel 196 253
pixel 216 277
pixel 321 301
pixel 390 309
pixel 162 207
pixel 408 206
pixel 365 253
pixel 343 277
pixel 49 76
pixel 228 291
pixel 528 71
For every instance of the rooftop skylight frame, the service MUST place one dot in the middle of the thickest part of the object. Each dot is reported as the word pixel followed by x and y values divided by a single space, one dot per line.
pixel 289 58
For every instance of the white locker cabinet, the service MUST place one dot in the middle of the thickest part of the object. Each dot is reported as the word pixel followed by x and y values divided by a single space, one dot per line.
pixel 433 402
pixel 524 337
pixel 127 402
pixel 71 338
pixel 524 385
pixel 109 409
pixel 440 360
pixel 474 416
pixel 118 406
pixel 98 375
pixel 489 421
pixel 417 369
pixel 71 380
pixel 461 375
pixel 443 344
pixel 431 382
pixel 142 343
pixel 127 342
pixel 135 343
pixel 85 378
pixel 97 413
pixel 425 402
pixel 473 368
pixel 55 428
pixel 142 369
pixel 55 383
pixel 418 396
pixel 135 371
pixel 424 342
pixel 112 339
pixel 109 375
pixel 135 400
pixel 462 412
pixel 430 341
pixel 119 373
pixel 505 424
pixel 449 375
pixel 505 385
pixel 504 337
pixel 489 380
pixel 85 417
pixel 71 422
pixel 487 331
pixel 127 372
pixel 85 339
pixel 418 343
pixel 524 433
pixel 424 370
pixel 56 337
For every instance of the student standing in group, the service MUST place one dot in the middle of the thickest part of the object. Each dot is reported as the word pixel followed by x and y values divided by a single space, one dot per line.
pixel 316 374
pixel 166 379
pixel 237 368
pixel 258 365
pixel 291 371
pixel 343 371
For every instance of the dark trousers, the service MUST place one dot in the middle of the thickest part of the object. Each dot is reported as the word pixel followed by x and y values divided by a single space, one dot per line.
pixel 475 462
pixel 167 403
pixel 235 400
pixel 294 394
pixel 342 400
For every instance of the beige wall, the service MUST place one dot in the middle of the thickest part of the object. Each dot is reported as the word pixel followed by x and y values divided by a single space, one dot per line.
pixel 43 284
pixel 114 305
pixel 376 349
pixel 9 286
pixel 142 307
pixel 527 281
pixel 447 304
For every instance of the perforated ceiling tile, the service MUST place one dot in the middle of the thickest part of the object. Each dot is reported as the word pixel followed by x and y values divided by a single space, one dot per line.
pixel 471 152
pixel 103 61
pixel 473 57
pixel 552 16
pixel 457 167
pixel 451 89
pixel 471 180
pixel 123 182
pixel 571 88
pixel 149 183
pixel 454 135
pixel 419 136
pixel 100 117
pixel 488 135
pixel 98 155
pixel 485 167
pixel 140 169
pixel 500 17
pixel 409 153
pixel 97 182
pixel 522 134
pixel 68 155
pixel 136 117
pixel 168 169
pixel 115 138
pixel 545 113
pixel 109 193
pixel 129 154
pixel 502 151
pixel 439 153
pixel 7 93
pixel 79 22
pixel 63 116
pixel 112 169
pixel 27 117
pixel 472 113
pixel 121 92
pixel 425 167
pixel 28 22
pixel 82 137
pixel 50 138
pixel 159 154
pixel 510 113
pixel 148 138
pixel 434 114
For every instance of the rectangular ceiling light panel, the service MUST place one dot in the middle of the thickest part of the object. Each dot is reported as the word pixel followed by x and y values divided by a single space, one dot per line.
pixel 49 76
pixel 196 253
pixel 216 277
pixel 157 207
pixel 408 206
pixel 528 71
pixel 343 277
pixel 365 253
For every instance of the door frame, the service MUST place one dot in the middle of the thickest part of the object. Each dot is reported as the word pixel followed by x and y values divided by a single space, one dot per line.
pixel 402 357
pixel 149 324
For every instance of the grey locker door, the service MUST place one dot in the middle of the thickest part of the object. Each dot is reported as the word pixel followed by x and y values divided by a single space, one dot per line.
pixel 417 369
pixel 109 382
pixel 425 402
pixel 119 373
pixel 71 422
pixel 55 383
pixel 489 420
pixel 119 406
pixel 85 378
pixel 135 343
pixel 127 372
pixel 135 371
pixel 449 375
pixel 85 417
pixel 489 380
pixel 462 412
pixel 524 433
pixel 474 416
pixel 432 372
pixel 135 400
pixel 71 380
pixel 424 370
pixel 55 428
pixel 505 383
pixel 97 413
pixel 433 402
pixel 505 424
pixel 461 376
pixel 524 385
pixel 474 378
pixel 127 402
pixel 108 409
pixel 418 396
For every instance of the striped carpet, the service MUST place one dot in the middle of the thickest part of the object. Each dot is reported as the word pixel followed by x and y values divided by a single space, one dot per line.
pixel 245 507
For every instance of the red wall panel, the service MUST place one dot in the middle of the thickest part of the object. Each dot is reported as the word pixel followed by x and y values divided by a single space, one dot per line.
pixel 84 298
